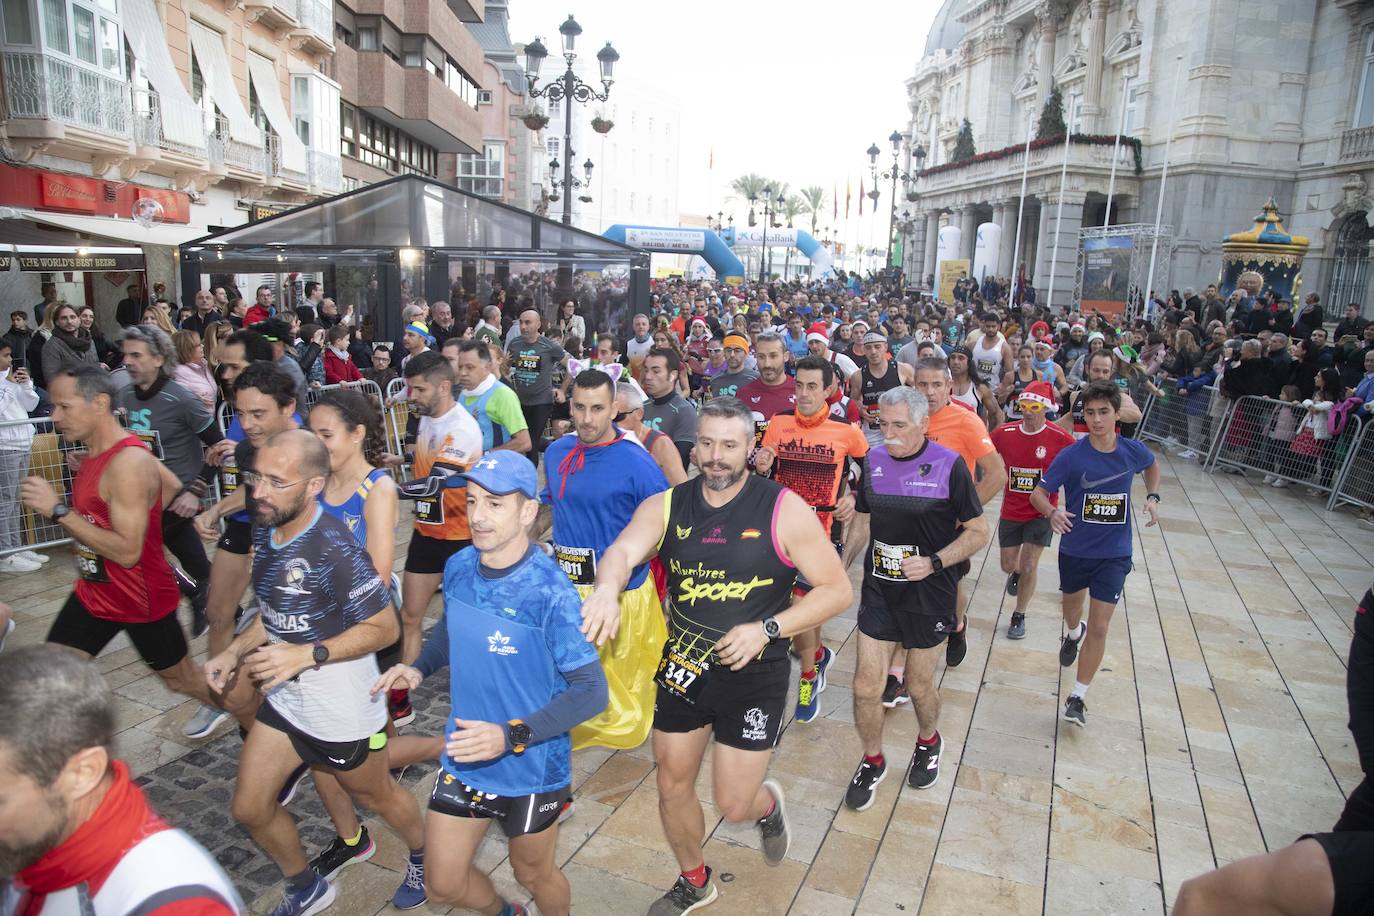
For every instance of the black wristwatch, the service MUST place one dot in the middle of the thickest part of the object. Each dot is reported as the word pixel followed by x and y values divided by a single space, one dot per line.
pixel 936 564
pixel 320 654
pixel 518 734
pixel 1154 496
pixel 59 510
pixel 771 628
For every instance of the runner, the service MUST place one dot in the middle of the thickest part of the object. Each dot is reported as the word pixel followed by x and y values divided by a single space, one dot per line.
pixel 78 834
pixel 918 521
pixel 667 410
pixel 532 360
pixel 992 354
pixel 1095 521
pixel 774 389
pixel 878 374
pixel 1027 448
pixel 115 521
pixel 597 477
pixel 324 611
pixel 629 407
pixel 809 451
pixel 736 374
pixel 1099 368
pixel 520 677
pixel 448 442
pixel 819 345
pixel 638 346
pixel 971 389
pixel 492 403
pixel 733 544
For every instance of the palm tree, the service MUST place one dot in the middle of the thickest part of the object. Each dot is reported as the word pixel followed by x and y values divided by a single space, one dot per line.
pixel 791 207
pixel 814 198
pixel 750 185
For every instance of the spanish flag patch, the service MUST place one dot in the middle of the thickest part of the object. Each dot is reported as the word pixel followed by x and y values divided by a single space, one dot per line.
pixel 748 533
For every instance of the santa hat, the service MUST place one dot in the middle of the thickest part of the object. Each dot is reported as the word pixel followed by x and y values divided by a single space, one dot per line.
pixel 1039 393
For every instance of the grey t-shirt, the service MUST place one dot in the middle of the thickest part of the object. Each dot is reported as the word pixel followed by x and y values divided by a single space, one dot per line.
pixel 177 417
pixel 531 368
pixel 288 364
pixel 728 384
pixel 674 416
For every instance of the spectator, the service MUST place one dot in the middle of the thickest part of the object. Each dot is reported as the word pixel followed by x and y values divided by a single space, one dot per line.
pixel 261 309
pixel 212 342
pixel 443 327
pixel 381 372
pixel 278 334
pixel 129 311
pixel 1251 374
pixel 238 312
pixel 203 314
pixel 310 354
pixel 338 363
pixel 17 398
pixel 569 322
pixel 106 352
pixel 1352 324
pixel 19 335
pixel 156 314
pixel 193 370
pixel 33 357
pixel 1309 318
pixel 1282 322
pixel 69 346
pixel 1193 388
pixel 1278 438
pixel 1364 390
pixel 1351 355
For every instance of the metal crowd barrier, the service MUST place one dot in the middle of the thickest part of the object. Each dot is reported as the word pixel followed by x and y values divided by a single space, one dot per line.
pixel 30 448
pixel 395 419
pixel 1355 483
pixel 1267 435
pixel 1191 422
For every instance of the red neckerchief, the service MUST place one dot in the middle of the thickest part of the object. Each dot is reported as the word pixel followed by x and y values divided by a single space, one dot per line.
pixel 576 459
pixel 92 852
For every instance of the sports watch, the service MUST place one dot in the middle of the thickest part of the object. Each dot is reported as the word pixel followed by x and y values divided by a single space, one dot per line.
pixel 771 628
pixel 936 564
pixel 518 734
pixel 1154 496
pixel 320 654
pixel 59 510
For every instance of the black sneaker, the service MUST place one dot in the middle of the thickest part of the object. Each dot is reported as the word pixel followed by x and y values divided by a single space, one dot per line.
pixel 894 694
pixel 200 620
pixel 863 787
pixel 685 897
pixel 956 647
pixel 1013 580
pixel 1075 711
pixel 774 834
pixel 338 855
pixel 925 765
pixel 1068 649
pixel 293 782
pixel 1017 628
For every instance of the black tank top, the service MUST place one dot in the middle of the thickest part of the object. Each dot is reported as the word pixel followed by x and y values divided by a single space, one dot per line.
pixel 873 387
pixel 723 565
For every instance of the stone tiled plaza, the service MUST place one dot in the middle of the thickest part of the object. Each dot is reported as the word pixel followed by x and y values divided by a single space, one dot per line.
pixel 1216 729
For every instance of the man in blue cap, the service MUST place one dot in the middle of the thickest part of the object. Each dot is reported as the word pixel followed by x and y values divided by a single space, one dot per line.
pixel 521 675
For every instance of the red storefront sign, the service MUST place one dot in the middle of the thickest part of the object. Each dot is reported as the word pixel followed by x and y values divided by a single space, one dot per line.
pixel 40 190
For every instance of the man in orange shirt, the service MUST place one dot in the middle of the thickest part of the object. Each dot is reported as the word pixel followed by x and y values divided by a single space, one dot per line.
pixel 808 450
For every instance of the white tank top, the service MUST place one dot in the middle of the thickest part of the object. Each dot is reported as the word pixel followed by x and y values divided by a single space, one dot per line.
pixel 989 361
pixel 969 398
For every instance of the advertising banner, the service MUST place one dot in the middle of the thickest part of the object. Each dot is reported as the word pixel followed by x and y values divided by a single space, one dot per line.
pixel 1106 273
pixel 951 272
pixel 686 240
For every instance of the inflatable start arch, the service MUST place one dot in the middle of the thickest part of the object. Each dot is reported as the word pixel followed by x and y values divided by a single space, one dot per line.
pixel 682 241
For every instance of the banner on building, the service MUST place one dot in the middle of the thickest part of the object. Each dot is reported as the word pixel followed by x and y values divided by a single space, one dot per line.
pixel 689 241
pixel 1106 274
pixel 951 272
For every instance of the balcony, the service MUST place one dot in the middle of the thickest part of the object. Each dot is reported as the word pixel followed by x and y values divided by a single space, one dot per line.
pixel 1357 144
pixel 410 98
pixel 316 32
pixel 241 161
pixel 326 173
pixel 149 110
pixel 279 175
pixel 278 15
pixel 1084 159
pixel 57 107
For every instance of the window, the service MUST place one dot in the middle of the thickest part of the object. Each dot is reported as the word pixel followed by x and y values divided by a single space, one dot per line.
pixel 55 26
pixel 1129 120
pixel 554 147
pixel 1073 117
pixel 483 96
pixel 461 84
pixel 368 39
pixel 300 107
pixel 483 174
pixel 1364 101
pixel 382 146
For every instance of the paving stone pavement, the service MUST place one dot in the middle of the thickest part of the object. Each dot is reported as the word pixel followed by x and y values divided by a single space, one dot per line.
pixel 1231 640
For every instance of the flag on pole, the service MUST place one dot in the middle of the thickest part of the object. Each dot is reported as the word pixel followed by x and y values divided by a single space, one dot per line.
pixel 712 162
pixel 861 195
pixel 835 201
pixel 846 198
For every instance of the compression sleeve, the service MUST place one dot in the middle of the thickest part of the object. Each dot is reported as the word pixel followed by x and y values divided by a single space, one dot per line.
pixel 434 653
pixel 585 697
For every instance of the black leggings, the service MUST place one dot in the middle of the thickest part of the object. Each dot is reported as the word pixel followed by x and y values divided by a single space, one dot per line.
pixel 1359 692
pixel 537 418
pixel 179 536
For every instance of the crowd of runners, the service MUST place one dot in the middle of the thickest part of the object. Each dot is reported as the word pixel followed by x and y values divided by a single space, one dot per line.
pixel 626 544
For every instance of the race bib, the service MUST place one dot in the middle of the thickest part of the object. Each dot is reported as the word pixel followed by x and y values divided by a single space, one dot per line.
pixel 577 563
pixel 430 511
pixel 228 477
pixel 151 439
pixel 89 564
pixel 1022 480
pixel 887 560
pixel 1104 508
pixel 760 428
pixel 681 676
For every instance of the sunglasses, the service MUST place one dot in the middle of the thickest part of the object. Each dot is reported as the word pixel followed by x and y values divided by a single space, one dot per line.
pixel 1032 406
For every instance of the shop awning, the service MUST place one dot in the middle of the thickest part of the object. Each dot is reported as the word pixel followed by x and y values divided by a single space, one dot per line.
pixel 117 231
pixel 38 250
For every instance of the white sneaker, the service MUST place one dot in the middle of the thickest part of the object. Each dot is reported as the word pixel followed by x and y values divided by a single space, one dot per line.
pixel 1279 483
pixel 33 557
pixel 1268 478
pixel 1187 455
pixel 17 564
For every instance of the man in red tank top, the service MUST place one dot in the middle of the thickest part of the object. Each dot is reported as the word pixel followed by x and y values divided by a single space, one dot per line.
pixel 115 521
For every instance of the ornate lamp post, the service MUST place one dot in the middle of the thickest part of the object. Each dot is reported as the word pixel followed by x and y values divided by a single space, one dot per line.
pixel 894 173
pixel 567 89
pixel 767 218
pixel 584 182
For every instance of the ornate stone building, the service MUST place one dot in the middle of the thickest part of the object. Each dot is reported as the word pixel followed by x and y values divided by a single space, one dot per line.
pixel 1264 98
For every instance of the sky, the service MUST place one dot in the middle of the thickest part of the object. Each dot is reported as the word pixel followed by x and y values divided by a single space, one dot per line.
pixel 793 92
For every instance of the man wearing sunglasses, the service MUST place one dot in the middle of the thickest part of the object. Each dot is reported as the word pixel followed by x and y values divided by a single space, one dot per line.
pixel 1027 447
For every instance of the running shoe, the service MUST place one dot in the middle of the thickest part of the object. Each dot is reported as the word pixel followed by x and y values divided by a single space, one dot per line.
pixel 205 721
pixel 411 893
pixel 14 563
pixel 338 855
pixel 313 899
pixel 773 830
pixel 1068 649
pixel 566 811
pixel 1279 483
pixel 34 556
pixel 808 700
pixel 894 694
pixel 822 667
pixel 925 765
pixel 863 788
pixel 293 782
pixel 1013 579
pixel 5 634
pixel 1017 628
pixel 398 702
pixel 1268 478
pixel 1075 711
pixel 1187 455
pixel 685 897
pixel 956 647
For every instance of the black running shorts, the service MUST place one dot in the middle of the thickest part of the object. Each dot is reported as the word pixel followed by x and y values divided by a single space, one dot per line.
pixel 237 537
pixel 329 755
pixel 519 815
pixel 427 556
pixel 744 708
pixel 1036 532
pixel 914 630
pixel 160 643
pixel 1349 854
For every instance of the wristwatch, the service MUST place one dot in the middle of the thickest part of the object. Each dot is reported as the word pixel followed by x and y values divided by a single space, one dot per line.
pixel 936 564
pixel 771 628
pixel 1154 496
pixel 59 510
pixel 320 653
pixel 518 734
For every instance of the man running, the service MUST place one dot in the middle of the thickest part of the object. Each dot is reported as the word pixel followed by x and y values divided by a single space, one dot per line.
pixel 774 389
pixel 1100 367
pixel 733 544
pixel 668 411
pixel 520 677
pixel 492 403
pixel 878 374
pixel 1028 446
pixel 818 344
pixel 808 451
pixel 1095 524
pixel 532 360
pixel 736 374
pixel 115 521
pixel 992 355
pixel 597 477
pixel 324 612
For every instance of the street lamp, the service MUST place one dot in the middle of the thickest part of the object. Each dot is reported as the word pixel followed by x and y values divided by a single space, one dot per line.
pixel 567 89
pixel 894 173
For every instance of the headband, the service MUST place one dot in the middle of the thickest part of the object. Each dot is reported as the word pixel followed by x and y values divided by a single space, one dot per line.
pixel 416 327
pixel 577 366
pixel 735 340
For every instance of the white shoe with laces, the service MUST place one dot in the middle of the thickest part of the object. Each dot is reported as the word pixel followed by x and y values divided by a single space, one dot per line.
pixel 34 557
pixel 17 564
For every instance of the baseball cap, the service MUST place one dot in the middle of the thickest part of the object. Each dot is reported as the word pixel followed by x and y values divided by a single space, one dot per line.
pixel 502 472
pixel 818 337
pixel 874 337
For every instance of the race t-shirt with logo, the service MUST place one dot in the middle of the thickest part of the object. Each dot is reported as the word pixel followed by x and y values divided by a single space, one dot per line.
pixel 1027 456
pixel 1097 492
pixel 915 506
pixel 672 415
pixel 531 368
pixel 314 587
pixel 766 400
pixel 169 420
pixel 960 429
pixel 451 442
pixel 512 634
pixel 728 384
pixel 810 460
pixel 594 493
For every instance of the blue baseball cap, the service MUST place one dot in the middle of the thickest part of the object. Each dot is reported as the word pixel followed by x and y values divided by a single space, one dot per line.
pixel 502 472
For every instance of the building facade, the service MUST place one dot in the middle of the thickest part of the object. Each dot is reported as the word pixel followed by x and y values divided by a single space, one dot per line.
pixel 1262 99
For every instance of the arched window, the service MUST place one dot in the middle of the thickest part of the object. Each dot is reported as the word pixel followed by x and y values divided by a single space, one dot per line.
pixel 1350 263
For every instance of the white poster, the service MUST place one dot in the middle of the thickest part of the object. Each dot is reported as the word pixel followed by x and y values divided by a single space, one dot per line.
pixel 947 245
pixel 689 240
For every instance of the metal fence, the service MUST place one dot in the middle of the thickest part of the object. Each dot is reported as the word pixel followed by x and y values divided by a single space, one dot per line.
pixel 30 448
pixel 396 416
pixel 1189 422
pixel 1287 442
pixel 1355 482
